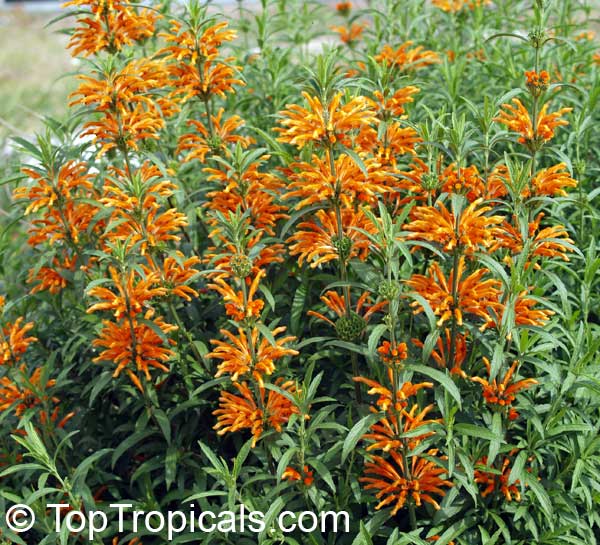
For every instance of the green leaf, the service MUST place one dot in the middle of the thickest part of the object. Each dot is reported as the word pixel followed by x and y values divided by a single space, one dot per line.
pixel 442 377
pixel 357 431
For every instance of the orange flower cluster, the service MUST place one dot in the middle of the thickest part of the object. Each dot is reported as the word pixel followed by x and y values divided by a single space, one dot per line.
pixel 111 26
pixel 453 6
pixel 497 480
pixel 306 475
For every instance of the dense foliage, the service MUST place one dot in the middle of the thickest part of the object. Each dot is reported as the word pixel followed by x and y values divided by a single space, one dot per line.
pixel 257 266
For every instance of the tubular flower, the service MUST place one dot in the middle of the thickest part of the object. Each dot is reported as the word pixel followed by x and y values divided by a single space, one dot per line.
pixel 471 231
pixel 238 412
pixel 406 58
pixel 465 181
pixel 474 294
pixel 442 355
pixel 536 83
pixel 250 354
pixel 177 271
pixel 497 183
pixel 135 346
pixel 318 241
pixel 238 305
pixel 453 6
pixel 525 314
pixel 315 183
pixel 350 324
pixel 552 181
pixel 385 432
pixel 214 142
pixel 350 34
pixel 502 393
pixel 132 293
pixel 388 477
pixel 14 340
pixel 111 29
pixel 396 141
pixel 193 66
pixel 385 401
pixel 517 119
pixel 306 476
pixel 392 355
pixel 491 481
pixel 249 191
pixel 23 398
pixel 325 124
pixel 129 103
pixel 393 105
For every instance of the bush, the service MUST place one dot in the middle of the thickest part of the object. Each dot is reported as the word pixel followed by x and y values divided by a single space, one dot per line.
pixel 261 268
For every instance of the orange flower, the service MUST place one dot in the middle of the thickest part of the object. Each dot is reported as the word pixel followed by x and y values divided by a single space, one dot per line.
pixel 130 107
pixel 471 230
pixel 442 355
pixel 502 393
pixel 204 142
pixel 350 35
pixel 385 433
pixel 392 355
pixel 318 241
pixel 137 344
pixel 552 181
pixel 314 182
pixel 394 104
pixel 250 354
pixel 397 140
pixel 385 401
pixel 176 272
pixel 536 83
pixel 23 398
pixel 493 481
pixel 112 29
pixel 525 314
pixel 343 8
pixel 453 6
pixel 239 412
pixel 14 340
pixel 517 119
pixel 349 326
pixel 325 125
pixel 132 296
pixel 465 181
pixel 405 58
pixel 134 541
pixel 237 305
pixel 474 294
pixel 192 57
pixel 389 478
pixel 306 476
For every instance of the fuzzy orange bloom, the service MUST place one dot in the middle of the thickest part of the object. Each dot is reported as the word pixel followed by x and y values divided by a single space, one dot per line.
pixel 474 294
pixel 239 412
pixel 238 305
pixel 137 344
pixel 552 181
pixel 306 476
pixel 388 477
pixel 318 241
pixel 176 272
pixel 396 141
pixel 111 29
pixel 471 230
pixel 14 340
pixel 465 181
pixel 203 142
pixel 392 355
pixel 393 104
pixel 517 119
pixel 453 6
pixel 350 34
pixel 384 434
pixel 133 292
pixel 314 182
pixel 250 354
pixel 525 314
pixel 129 103
pixel 502 393
pixel 348 326
pixel 536 82
pixel 325 124
pixel 406 58
pixel 192 60
pixel 343 8
pixel 492 482
pixel 23 398
pixel 398 402
pixel 442 355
